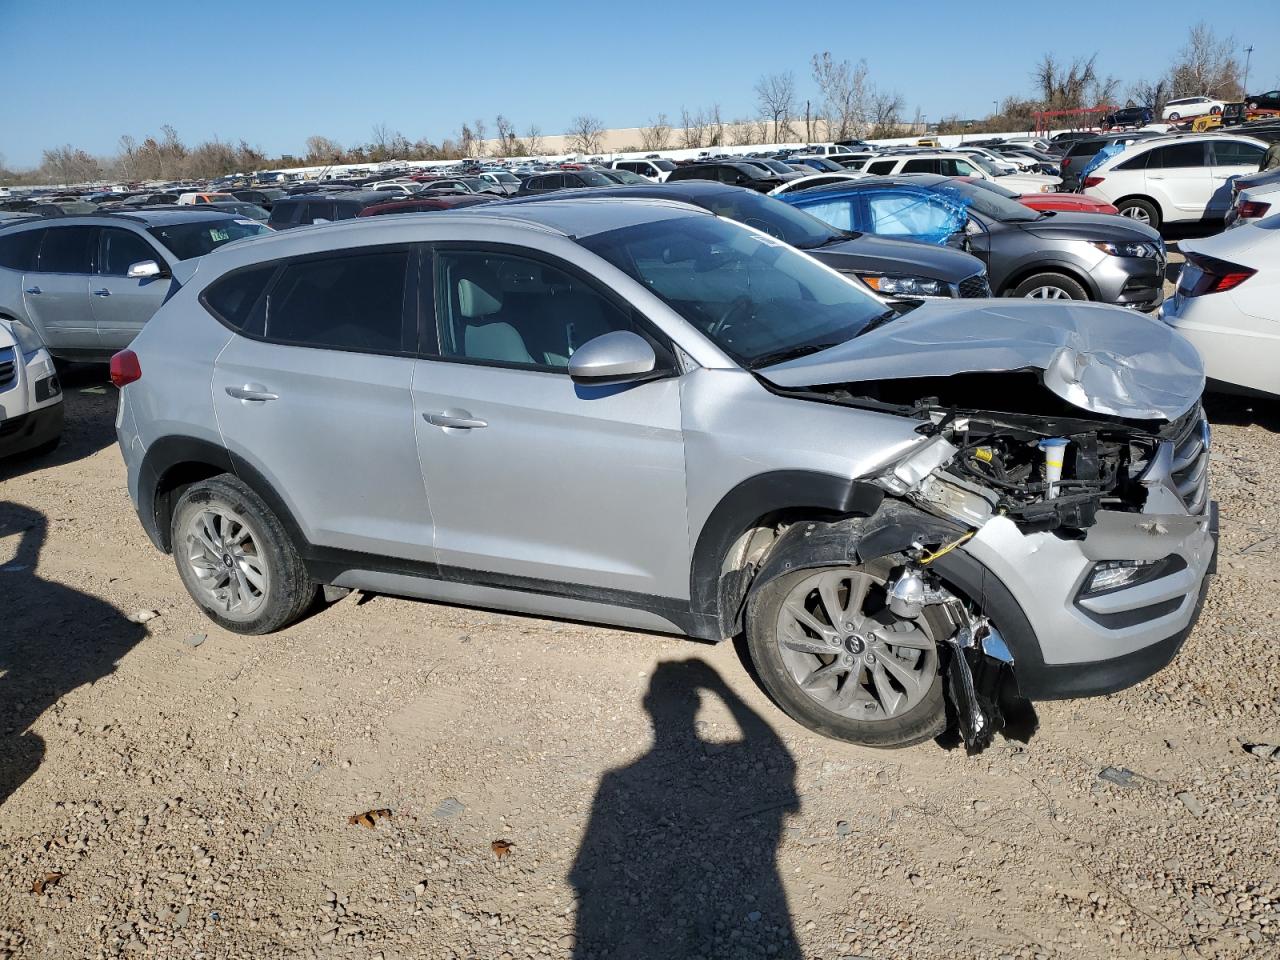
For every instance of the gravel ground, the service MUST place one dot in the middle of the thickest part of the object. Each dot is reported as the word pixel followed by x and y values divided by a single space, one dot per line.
pixel 172 790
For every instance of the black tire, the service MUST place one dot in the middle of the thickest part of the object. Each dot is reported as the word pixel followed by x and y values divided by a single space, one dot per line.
pixel 1214 111
pixel 288 590
pixel 1146 206
pixel 1175 117
pixel 1071 289
pixel 926 720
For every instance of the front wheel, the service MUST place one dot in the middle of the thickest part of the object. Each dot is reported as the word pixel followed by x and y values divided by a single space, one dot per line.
pixel 1050 286
pixel 838 661
pixel 1175 117
pixel 1215 111
pixel 1141 210
pixel 236 559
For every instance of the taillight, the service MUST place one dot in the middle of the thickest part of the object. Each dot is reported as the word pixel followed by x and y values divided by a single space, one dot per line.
pixel 125 368
pixel 1216 276
pixel 1093 181
pixel 1066 162
pixel 1252 209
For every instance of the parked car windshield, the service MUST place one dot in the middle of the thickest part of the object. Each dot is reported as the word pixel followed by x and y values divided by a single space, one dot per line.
pixel 759 300
pixel 593 178
pixel 773 217
pixel 988 203
pixel 196 238
pixel 991 186
pixel 663 165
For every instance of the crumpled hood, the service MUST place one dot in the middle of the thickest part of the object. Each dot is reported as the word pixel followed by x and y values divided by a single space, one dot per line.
pixel 1100 358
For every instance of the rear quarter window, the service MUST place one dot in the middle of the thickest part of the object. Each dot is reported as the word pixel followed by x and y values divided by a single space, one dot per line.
pixel 233 298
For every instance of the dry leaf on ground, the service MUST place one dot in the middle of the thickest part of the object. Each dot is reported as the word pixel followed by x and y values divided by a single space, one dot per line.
pixel 369 818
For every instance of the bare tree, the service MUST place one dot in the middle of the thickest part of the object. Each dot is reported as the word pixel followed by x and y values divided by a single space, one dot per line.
pixel 844 94
pixel 884 113
pixel 657 134
pixel 466 141
pixel 128 159
pixel 506 133
pixel 1206 66
pixel 322 150
pixel 742 132
pixel 1065 87
pixel 1150 93
pixel 715 127
pixel 776 97
pixel 482 134
pixel 586 133
pixel 533 140
pixel 693 129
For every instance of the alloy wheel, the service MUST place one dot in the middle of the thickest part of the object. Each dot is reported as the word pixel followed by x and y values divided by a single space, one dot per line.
pixel 221 551
pixel 1136 213
pixel 1048 293
pixel 848 652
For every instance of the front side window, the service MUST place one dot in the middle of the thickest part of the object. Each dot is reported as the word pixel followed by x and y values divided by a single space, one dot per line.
pixel 350 301
pixel 757 298
pixel 504 308
pixel 912 215
pixel 120 249
pixel 67 250
pixel 1234 153
pixel 189 240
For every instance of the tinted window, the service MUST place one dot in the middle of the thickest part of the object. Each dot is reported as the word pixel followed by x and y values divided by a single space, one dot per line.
pixel 1135 163
pixel 119 249
pixel 881 166
pixel 18 250
pixel 921 166
pixel 67 250
pixel 1178 155
pixel 233 297
pixel 284 211
pixel 1234 153
pixel 503 308
pixel 353 301
pixel 318 210
pixel 188 240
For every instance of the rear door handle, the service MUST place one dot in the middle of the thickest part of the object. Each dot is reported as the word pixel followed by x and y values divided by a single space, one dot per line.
pixel 252 391
pixel 458 419
pixel 33 290
pixel 104 292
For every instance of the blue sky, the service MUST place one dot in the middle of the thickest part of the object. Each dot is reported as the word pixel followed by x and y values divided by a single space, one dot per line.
pixel 274 73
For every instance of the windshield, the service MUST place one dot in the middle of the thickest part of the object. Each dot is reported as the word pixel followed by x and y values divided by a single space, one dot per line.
pixel 997 189
pixel 663 165
pixel 986 202
pixel 188 240
pixel 593 178
pixel 985 164
pixel 777 166
pixel 753 296
pixel 505 177
pixel 773 217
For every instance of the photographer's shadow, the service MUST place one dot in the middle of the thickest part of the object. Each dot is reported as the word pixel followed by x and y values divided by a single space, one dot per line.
pixel 680 854
pixel 52 639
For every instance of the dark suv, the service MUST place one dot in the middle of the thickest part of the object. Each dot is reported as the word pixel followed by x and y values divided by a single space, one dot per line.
pixel 563 180
pixel 1127 117
pixel 306 208
pixel 1082 151
pixel 737 173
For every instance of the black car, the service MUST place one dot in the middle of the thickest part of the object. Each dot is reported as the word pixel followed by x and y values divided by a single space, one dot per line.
pixel 1127 117
pixel 307 208
pixel 902 272
pixel 738 173
pixel 1264 101
pixel 264 198
pixel 1081 152
pixel 1059 143
pixel 563 180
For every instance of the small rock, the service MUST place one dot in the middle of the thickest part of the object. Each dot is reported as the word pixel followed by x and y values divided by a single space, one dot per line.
pixel 181 919
pixel 1263 751
pixel 916 879
pixel 754 916
pixel 142 616
pixel 1190 801
pixel 449 808
pixel 981 806
pixel 196 639
pixel 327 935
pixel 1120 776
pixel 842 828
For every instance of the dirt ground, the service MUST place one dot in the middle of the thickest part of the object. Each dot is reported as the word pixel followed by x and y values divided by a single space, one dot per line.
pixel 172 790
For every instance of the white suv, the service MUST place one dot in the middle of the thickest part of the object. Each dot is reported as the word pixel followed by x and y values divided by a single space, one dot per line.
pixel 655 169
pixel 30 397
pixel 954 164
pixel 1177 178
pixel 1184 107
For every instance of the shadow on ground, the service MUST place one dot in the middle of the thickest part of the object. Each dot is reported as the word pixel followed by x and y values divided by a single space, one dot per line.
pixel 53 639
pixel 90 411
pixel 1241 411
pixel 680 854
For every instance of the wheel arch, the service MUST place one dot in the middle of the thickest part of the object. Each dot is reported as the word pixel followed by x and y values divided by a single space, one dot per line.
pixel 1069 270
pixel 721 570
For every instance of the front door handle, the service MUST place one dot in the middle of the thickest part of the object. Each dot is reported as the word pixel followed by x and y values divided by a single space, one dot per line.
pixel 458 419
pixel 33 290
pixel 104 292
pixel 252 391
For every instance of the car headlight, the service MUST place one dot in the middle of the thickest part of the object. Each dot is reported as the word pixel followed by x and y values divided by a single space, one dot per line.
pixel 907 286
pixel 1149 251
pixel 28 340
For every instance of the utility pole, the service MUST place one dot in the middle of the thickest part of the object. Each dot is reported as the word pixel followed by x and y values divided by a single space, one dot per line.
pixel 1248 55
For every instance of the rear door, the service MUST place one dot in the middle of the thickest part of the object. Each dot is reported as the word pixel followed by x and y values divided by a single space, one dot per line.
pixel 1229 159
pixel 122 305
pixel 1180 171
pixel 56 292
pixel 315 395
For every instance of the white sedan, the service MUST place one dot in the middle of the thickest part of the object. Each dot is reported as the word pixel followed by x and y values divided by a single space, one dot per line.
pixel 1228 305
pixel 1185 107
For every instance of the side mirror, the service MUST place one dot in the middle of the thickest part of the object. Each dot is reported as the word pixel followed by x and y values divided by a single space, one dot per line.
pixel 617 357
pixel 144 270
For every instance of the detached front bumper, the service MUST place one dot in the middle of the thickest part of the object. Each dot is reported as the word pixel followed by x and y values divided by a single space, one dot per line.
pixel 1068 646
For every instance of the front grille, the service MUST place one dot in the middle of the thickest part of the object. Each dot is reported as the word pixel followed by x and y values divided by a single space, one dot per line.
pixel 1189 467
pixel 975 286
pixel 8 367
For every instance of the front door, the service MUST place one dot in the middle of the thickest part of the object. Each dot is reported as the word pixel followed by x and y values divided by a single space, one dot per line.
pixel 531 477
pixel 122 305
pixel 316 397
pixel 56 292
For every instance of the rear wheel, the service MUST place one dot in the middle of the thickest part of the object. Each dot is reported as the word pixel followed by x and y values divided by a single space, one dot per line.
pixel 1050 286
pixel 236 560
pixel 1215 110
pixel 1175 117
pixel 1144 211
pixel 837 660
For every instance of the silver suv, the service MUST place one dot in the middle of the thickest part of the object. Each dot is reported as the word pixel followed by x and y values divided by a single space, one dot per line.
pixel 635 412
pixel 87 284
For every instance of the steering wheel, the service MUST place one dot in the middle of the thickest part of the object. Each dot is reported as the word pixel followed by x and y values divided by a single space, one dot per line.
pixel 741 309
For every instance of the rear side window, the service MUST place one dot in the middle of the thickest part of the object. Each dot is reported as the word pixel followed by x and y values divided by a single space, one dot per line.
pixel 1178 155
pixel 284 211
pixel 67 250
pixel 1135 163
pixel 318 211
pixel 881 166
pixel 351 301
pixel 233 298
pixel 18 250
pixel 921 166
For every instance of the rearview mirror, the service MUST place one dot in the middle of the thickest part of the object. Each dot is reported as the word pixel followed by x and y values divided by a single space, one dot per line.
pixel 617 357
pixel 143 270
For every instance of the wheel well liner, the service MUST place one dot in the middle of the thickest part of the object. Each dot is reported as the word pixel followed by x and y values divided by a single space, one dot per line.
pixel 716 600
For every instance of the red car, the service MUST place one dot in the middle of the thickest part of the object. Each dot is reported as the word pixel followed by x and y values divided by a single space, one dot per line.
pixel 1065 202
pixel 444 201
